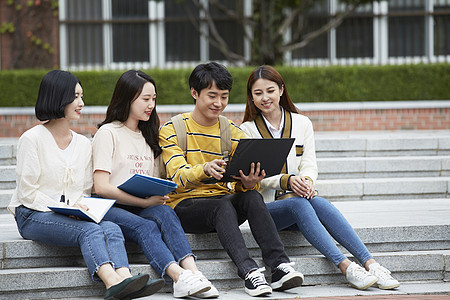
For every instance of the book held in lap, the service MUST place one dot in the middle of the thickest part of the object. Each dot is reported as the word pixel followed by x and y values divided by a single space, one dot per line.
pixel 98 207
pixel 145 186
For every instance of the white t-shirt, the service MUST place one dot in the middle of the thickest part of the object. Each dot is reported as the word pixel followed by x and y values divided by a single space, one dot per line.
pixel 122 152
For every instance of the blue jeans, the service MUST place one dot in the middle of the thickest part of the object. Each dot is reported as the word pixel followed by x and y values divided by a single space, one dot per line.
pixel 317 218
pixel 223 214
pixel 157 230
pixel 99 243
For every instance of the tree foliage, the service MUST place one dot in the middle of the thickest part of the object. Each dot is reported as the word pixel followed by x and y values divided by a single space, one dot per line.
pixel 30 33
pixel 267 25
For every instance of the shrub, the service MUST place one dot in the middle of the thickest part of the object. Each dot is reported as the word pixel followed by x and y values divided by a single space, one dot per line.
pixel 305 84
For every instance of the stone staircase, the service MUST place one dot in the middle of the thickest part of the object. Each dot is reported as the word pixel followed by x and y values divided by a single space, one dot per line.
pixel 392 186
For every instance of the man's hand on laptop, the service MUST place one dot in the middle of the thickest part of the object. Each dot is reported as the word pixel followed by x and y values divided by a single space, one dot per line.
pixel 215 168
pixel 256 175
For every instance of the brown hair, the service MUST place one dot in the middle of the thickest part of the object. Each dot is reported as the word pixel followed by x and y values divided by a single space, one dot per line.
pixel 269 73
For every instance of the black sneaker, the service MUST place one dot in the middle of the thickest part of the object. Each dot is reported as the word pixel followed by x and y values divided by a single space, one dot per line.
pixel 256 284
pixel 285 277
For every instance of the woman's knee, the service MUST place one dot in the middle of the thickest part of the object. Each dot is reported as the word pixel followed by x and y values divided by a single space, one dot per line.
pixel 320 203
pixel 114 236
pixel 297 206
pixel 110 228
pixel 162 212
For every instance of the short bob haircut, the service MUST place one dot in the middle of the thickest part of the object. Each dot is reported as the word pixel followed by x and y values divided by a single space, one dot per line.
pixel 269 73
pixel 204 75
pixel 56 91
pixel 128 88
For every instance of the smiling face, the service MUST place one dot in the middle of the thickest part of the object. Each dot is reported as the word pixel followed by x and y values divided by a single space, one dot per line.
pixel 209 104
pixel 142 107
pixel 266 96
pixel 72 111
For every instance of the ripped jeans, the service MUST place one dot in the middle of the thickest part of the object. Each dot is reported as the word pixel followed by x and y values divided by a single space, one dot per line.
pixel 157 230
pixel 99 243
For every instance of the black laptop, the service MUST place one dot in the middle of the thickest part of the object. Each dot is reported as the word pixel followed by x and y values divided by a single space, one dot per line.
pixel 270 153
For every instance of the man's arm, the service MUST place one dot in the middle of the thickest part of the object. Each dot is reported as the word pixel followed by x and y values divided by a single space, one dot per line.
pixel 177 168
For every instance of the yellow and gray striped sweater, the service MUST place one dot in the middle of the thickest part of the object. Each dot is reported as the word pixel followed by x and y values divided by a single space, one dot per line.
pixel 203 145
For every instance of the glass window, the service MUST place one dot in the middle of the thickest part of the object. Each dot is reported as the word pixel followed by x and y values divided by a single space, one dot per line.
pixel 441 28
pixel 406 28
pixel 85 44
pixel 130 31
pixel 84 40
pixel 182 38
pixel 354 37
pixel 230 30
pixel 318 47
pixel 83 10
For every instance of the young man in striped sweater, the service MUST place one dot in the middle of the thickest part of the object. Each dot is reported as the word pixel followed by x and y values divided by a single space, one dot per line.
pixel 222 207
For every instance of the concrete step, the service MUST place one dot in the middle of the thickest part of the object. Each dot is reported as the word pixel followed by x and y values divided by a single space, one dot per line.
pixel 383 225
pixel 384 188
pixel 422 225
pixel 21 253
pixel 7 177
pixel 351 189
pixel 383 143
pixel 376 167
pixel 340 144
pixel 339 167
pixel 412 240
pixel 8 149
pixel 75 281
pixel 5 198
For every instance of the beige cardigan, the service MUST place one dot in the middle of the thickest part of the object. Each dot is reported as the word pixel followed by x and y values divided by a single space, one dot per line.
pixel 301 159
pixel 43 174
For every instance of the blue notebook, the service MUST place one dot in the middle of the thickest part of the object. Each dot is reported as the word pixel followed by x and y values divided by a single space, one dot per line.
pixel 145 186
pixel 98 207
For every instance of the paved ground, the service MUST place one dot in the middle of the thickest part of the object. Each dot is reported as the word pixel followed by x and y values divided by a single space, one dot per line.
pixel 409 297
pixel 414 291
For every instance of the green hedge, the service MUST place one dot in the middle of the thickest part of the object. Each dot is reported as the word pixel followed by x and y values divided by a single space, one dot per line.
pixel 311 84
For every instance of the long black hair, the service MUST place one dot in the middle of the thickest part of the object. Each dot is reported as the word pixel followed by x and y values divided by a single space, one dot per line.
pixel 128 88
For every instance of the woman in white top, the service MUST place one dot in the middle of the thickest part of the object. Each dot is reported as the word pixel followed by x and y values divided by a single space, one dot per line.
pixel 54 168
pixel 127 144
pixel 270 113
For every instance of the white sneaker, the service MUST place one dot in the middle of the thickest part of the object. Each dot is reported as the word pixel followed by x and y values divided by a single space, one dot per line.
pixel 211 293
pixel 189 284
pixel 256 284
pixel 359 278
pixel 385 280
